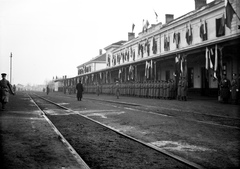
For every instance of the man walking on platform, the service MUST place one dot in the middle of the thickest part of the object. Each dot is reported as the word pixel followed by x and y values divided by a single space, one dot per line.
pixel 5 89
pixel 79 88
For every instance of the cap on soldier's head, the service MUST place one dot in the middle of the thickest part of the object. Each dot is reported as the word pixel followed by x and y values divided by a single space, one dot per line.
pixel 4 74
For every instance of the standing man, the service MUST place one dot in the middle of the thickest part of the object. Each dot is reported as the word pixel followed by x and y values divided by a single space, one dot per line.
pixel 98 89
pixel 117 90
pixel 234 88
pixel 47 89
pixel 79 88
pixel 184 88
pixel 225 87
pixel 5 89
pixel 179 88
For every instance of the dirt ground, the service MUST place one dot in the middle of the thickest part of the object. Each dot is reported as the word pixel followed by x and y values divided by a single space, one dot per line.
pixel 28 141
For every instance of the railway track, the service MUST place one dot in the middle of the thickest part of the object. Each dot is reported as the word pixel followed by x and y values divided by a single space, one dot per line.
pixel 100 146
pixel 194 116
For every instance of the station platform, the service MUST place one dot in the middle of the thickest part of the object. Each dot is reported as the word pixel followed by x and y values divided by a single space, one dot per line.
pixel 28 141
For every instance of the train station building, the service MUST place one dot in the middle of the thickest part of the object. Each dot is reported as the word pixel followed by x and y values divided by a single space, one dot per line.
pixel 201 46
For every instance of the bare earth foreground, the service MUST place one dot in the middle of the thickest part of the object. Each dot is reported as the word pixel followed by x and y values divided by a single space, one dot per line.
pixel 28 141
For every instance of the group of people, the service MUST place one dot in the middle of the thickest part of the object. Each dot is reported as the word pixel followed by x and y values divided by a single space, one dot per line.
pixel 161 89
pixel 229 90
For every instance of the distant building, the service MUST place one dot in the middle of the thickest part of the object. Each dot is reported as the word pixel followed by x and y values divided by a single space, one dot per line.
pixel 95 64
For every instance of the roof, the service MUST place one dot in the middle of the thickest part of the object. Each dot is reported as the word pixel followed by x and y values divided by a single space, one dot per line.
pixel 116 44
pixel 99 58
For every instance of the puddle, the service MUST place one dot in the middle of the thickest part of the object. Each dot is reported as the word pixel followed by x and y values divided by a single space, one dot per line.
pixel 100 113
pixel 62 104
pixel 178 146
pixel 58 112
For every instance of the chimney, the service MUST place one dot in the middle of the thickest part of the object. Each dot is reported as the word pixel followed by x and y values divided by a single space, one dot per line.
pixel 200 3
pixel 131 36
pixel 100 51
pixel 169 17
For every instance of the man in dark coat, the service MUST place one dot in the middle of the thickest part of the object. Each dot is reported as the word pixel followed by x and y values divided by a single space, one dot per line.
pixel 5 89
pixel 225 89
pixel 79 88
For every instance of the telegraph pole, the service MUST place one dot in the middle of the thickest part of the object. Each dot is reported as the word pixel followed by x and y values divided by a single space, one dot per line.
pixel 11 67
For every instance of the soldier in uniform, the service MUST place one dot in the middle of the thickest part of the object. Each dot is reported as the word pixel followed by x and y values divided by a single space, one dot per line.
pixel 79 88
pixel 161 89
pixel 225 88
pixel 179 89
pixel 164 89
pixel 5 89
pixel 97 89
pixel 48 89
pixel 234 89
pixel 117 90
pixel 184 88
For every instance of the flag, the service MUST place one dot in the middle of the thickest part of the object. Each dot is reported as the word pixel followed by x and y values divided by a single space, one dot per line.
pixel 210 62
pixel 156 16
pixel 119 73
pixel 133 25
pixel 143 26
pixel 206 57
pixel 229 13
pixel 216 63
pixel 146 25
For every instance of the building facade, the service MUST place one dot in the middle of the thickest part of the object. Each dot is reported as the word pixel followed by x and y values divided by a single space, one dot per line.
pixel 200 46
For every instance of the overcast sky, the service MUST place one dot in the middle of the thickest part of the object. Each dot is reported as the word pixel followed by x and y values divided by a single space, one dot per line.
pixel 50 38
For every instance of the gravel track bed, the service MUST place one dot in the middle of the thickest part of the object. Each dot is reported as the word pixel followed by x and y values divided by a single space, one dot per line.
pixel 102 148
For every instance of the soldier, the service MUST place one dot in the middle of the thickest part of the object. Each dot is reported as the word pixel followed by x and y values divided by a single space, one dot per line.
pixel 179 89
pixel 164 89
pixel 79 88
pixel 225 86
pixel 97 89
pixel 5 89
pixel 234 89
pixel 161 89
pixel 158 89
pixel 141 89
pixel 48 89
pixel 117 89
pixel 184 88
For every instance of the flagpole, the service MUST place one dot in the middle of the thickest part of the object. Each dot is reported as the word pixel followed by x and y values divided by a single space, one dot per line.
pixel 11 67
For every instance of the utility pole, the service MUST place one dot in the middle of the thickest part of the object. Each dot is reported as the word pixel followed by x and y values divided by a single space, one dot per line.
pixel 11 67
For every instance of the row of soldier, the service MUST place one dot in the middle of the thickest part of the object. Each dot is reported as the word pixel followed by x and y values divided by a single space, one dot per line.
pixel 148 89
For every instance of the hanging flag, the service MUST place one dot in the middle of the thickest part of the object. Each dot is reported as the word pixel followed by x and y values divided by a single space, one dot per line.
pixel 119 73
pixel 156 16
pixel 181 64
pixel 133 25
pixel 143 26
pixel 229 13
pixel 146 26
pixel 216 63
pixel 206 57
pixel 210 62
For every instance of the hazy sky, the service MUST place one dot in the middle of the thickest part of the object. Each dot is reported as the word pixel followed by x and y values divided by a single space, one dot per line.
pixel 50 38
